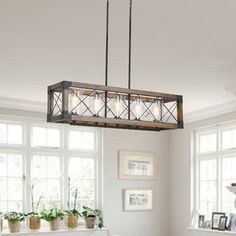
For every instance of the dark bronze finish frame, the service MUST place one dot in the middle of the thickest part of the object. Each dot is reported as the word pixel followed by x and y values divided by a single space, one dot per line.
pixel 59 111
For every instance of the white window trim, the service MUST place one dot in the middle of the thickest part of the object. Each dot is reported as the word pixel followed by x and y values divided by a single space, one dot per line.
pixel 219 154
pixel 27 151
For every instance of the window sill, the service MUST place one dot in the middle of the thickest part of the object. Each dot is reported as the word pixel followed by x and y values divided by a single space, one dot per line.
pixel 47 231
pixel 206 232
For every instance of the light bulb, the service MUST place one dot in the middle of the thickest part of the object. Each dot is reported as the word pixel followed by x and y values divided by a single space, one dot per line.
pixel 138 109
pixel 117 106
pixel 157 110
pixel 97 105
pixel 73 103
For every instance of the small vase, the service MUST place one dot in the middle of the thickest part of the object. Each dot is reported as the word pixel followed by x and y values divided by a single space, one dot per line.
pixel 90 222
pixel 14 227
pixel 54 224
pixel 34 222
pixel 72 221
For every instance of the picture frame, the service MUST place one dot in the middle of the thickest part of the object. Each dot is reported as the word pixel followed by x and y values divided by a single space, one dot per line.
pixel 138 199
pixel 137 165
pixel 223 223
pixel 216 219
pixel 201 221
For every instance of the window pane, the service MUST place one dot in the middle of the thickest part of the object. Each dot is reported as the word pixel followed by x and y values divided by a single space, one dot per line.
pixel 39 137
pixel 229 139
pixel 53 189
pixel 82 176
pixel 207 143
pixel 15 189
pixel 229 168
pixel 45 174
pixel 11 184
pixel 53 167
pixel 15 206
pixel 88 169
pixel 3 189
pixel 39 188
pixel 3 164
pixel 74 170
pixel 3 133
pixel 88 140
pixel 208 169
pixel 208 191
pixel 208 186
pixel 15 134
pixel 88 190
pixel 81 140
pixel 76 184
pixel 15 163
pixel 45 137
pixel 3 206
pixel 38 166
pixel 228 207
pixel 228 177
pixel 53 138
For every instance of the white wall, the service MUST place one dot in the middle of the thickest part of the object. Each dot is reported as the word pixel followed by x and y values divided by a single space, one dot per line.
pixel 151 223
pixel 180 174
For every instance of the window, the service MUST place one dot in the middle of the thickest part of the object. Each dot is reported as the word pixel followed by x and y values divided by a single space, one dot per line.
pixel 54 160
pixel 215 168
pixel 45 177
pixel 11 181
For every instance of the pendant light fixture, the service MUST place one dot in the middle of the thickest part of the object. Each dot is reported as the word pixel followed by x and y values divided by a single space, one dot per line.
pixel 85 104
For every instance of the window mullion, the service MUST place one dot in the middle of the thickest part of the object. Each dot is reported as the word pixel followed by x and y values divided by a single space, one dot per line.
pixel 218 170
pixel 63 142
pixel 27 199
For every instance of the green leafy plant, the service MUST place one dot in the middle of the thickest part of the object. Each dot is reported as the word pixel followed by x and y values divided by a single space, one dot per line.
pixel 14 217
pixel 88 212
pixel 51 214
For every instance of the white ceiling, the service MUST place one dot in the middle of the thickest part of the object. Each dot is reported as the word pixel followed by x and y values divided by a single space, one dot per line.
pixel 179 46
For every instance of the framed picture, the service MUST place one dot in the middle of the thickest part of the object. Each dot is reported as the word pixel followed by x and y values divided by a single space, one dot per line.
pixel 201 221
pixel 137 165
pixel 138 199
pixel 216 219
pixel 223 223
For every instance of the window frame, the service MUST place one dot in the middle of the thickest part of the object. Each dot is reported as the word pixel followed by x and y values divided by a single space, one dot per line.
pixel 219 154
pixel 27 150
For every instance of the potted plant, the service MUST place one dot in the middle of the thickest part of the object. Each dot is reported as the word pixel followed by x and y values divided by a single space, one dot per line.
pixel 34 221
pixel 72 214
pixel 53 216
pixel 92 216
pixel 14 219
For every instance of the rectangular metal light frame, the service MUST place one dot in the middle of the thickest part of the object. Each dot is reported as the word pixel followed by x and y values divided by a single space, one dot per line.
pixel 65 116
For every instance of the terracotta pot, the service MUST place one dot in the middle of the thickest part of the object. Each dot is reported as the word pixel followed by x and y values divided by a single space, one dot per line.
pixel 72 221
pixel 14 227
pixel 34 222
pixel 54 224
pixel 90 222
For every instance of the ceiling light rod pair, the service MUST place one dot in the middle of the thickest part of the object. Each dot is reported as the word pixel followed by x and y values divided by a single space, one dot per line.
pixel 85 104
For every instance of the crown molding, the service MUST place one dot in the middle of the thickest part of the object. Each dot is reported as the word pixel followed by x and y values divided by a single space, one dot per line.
pixel 21 104
pixel 210 112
